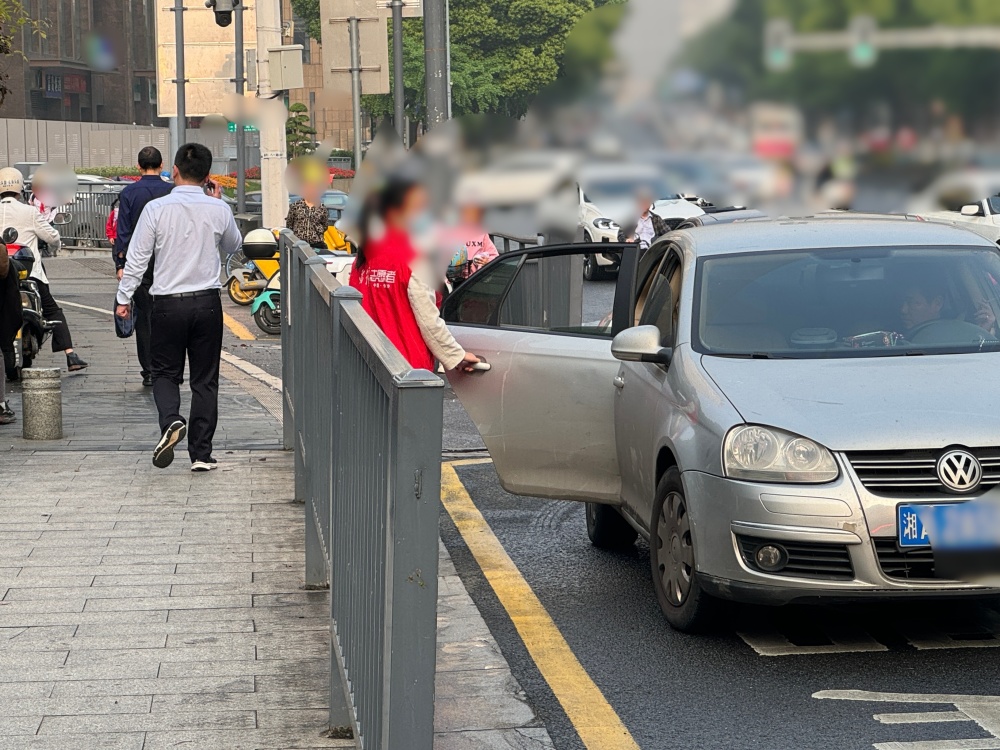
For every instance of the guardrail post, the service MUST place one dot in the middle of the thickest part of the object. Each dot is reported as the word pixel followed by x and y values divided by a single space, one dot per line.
pixel 412 559
pixel 343 720
pixel 291 277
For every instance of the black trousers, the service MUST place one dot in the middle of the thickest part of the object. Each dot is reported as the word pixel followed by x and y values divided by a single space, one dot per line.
pixel 143 311
pixel 61 340
pixel 191 328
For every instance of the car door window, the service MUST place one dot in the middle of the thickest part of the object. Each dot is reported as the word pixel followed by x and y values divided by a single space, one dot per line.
pixel 549 294
pixel 477 301
pixel 662 307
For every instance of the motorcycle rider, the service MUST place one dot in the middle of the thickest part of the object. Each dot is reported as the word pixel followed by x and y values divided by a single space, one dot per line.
pixel 31 228
pixel 10 323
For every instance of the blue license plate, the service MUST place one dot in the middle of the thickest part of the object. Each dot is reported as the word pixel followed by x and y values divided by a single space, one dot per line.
pixel 955 526
pixel 912 531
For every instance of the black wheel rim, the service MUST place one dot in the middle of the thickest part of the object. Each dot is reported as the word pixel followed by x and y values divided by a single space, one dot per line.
pixel 675 553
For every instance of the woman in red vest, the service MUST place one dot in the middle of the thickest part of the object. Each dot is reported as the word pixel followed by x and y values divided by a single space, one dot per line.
pixel 395 296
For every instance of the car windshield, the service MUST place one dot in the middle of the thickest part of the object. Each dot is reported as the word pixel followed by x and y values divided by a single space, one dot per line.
pixel 608 190
pixel 858 302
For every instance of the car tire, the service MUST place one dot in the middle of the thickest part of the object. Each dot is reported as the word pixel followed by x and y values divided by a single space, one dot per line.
pixel 591 270
pixel 685 604
pixel 608 529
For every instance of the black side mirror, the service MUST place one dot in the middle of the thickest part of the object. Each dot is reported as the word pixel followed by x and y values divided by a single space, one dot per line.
pixel 9 236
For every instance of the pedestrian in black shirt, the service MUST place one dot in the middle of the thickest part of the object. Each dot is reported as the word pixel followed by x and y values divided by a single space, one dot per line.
pixel 131 202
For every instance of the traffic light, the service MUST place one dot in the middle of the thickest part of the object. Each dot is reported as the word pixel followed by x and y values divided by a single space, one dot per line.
pixel 223 10
pixel 778 44
pixel 864 50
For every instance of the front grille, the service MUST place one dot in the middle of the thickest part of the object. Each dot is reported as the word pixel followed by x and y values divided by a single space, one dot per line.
pixel 805 559
pixel 915 472
pixel 911 564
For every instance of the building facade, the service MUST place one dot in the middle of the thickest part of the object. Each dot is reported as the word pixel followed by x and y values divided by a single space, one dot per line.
pixel 95 63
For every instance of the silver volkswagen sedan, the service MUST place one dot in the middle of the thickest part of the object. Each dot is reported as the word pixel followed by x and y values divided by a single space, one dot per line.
pixel 784 408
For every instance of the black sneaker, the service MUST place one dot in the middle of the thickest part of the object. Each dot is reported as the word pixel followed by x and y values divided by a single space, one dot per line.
pixel 6 413
pixel 163 453
pixel 147 381
pixel 209 464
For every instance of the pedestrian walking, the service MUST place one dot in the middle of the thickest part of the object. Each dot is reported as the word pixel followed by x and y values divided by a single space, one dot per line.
pixel 131 202
pixel 10 323
pixel 32 229
pixel 395 293
pixel 184 234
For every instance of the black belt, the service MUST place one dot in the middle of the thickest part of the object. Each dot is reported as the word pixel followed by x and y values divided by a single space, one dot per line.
pixel 186 295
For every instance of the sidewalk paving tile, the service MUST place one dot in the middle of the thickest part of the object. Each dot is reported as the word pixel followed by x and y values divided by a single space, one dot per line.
pixel 144 609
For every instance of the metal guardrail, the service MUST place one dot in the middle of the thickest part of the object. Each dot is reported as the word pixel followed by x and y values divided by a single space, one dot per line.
pixel 366 431
pixel 89 213
pixel 505 243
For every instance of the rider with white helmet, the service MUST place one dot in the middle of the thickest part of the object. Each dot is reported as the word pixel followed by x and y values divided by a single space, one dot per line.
pixel 31 228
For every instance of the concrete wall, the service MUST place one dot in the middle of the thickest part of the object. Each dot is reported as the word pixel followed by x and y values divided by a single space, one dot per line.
pixel 80 144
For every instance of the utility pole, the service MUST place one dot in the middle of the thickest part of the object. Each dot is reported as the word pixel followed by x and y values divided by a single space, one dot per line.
pixel 273 160
pixel 241 137
pixel 397 67
pixel 181 80
pixel 447 50
pixel 435 60
pixel 355 41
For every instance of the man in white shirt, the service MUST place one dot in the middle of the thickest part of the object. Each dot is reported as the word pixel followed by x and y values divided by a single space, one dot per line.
pixel 184 233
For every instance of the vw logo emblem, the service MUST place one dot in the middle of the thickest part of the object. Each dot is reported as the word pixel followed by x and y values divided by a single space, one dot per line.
pixel 959 471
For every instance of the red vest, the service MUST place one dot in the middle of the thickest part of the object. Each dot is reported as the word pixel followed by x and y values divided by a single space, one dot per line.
pixel 383 281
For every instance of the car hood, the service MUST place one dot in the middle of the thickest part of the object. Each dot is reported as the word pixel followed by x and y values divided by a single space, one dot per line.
pixel 887 403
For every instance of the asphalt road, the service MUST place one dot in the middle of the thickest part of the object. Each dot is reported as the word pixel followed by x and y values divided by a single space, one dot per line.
pixel 719 690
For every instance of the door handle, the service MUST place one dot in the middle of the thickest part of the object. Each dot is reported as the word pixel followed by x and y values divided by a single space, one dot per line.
pixel 619 382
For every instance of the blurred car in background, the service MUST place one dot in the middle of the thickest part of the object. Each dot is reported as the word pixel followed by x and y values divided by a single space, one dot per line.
pixel 953 190
pixel 334 200
pixel 608 193
pixel 752 180
pixel 691 174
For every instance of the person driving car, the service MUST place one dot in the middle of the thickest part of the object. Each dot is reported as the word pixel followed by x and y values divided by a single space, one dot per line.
pixel 927 318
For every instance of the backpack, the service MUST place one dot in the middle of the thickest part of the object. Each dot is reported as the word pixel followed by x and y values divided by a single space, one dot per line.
pixel 111 227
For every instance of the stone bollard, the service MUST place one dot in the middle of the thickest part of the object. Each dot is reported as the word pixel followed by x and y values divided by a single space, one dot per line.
pixel 41 404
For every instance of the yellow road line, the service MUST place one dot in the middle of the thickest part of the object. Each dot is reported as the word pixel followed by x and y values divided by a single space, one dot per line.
pixel 239 330
pixel 592 716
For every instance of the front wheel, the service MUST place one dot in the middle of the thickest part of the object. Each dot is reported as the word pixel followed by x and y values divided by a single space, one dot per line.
pixel 685 604
pixel 234 261
pixel 607 528
pixel 237 295
pixel 268 319
pixel 592 271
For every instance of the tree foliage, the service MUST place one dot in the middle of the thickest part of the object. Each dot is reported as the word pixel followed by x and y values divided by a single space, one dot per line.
pixel 502 53
pixel 299 135
pixel 907 80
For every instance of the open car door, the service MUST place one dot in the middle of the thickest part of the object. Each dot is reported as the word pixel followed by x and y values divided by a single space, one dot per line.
pixel 545 409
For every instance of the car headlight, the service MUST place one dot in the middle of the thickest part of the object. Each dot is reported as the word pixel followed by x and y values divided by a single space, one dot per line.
pixel 764 454
pixel 606 225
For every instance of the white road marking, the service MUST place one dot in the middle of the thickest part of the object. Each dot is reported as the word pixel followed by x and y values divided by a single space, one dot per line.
pixel 986 744
pixel 770 642
pixel 86 307
pixel 984 710
pixel 240 364
pixel 925 717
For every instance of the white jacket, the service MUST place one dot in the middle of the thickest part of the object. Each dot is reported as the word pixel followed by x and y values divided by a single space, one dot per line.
pixel 31 228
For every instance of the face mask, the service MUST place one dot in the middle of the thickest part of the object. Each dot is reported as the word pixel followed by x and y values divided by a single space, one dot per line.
pixel 422 224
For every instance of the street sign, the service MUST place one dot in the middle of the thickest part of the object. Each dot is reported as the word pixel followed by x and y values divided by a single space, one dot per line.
pixel 778 45
pixel 374 32
pixel 209 58
pixel 864 51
